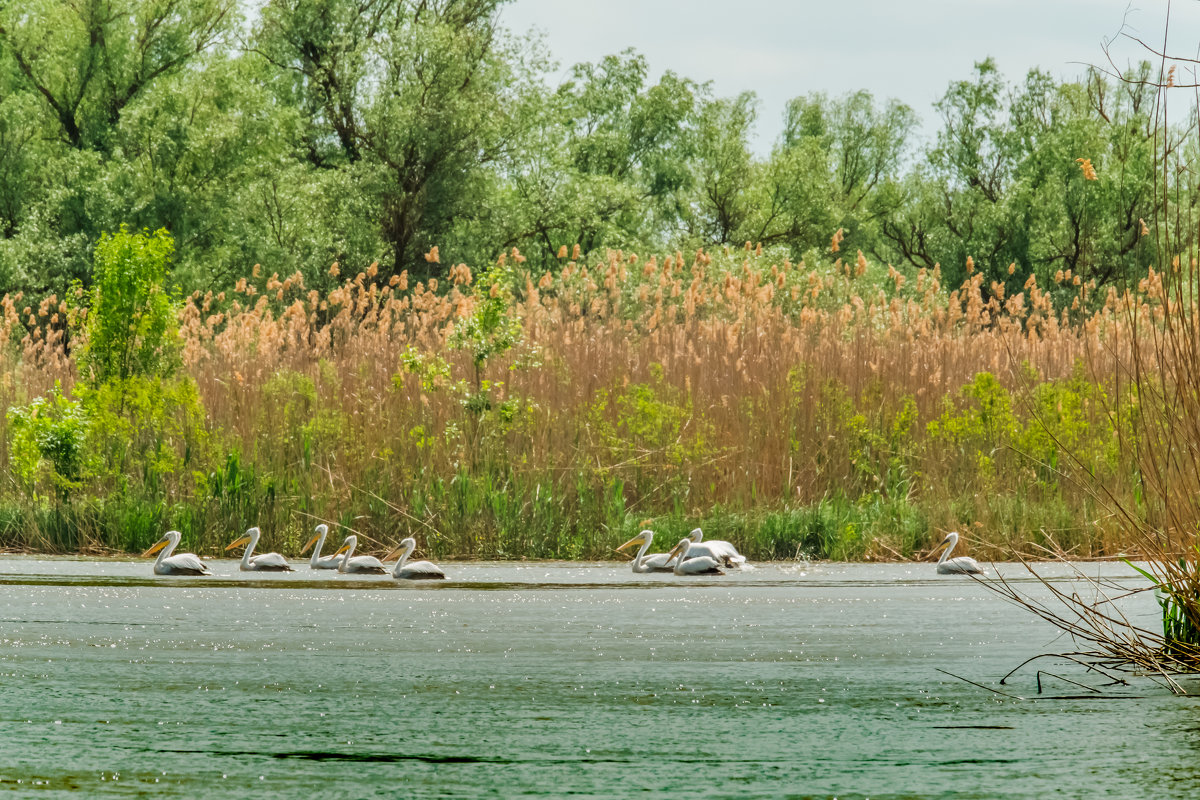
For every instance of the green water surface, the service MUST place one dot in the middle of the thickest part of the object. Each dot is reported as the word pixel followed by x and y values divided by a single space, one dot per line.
pixel 561 680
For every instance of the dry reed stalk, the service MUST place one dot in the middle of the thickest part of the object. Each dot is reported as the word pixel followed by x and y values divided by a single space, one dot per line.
pixel 1148 340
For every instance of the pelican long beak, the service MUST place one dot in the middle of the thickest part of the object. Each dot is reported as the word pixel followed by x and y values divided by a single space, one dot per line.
pixel 237 541
pixel 639 539
pixel 342 549
pixel 395 552
pixel 155 548
pixel 311 542
pixel 944 544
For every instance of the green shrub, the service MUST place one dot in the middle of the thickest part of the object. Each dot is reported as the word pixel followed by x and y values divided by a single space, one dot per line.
pixel 144 429
pixel 48 444
pixel 974 428
pixel 651 433
pixel 131 328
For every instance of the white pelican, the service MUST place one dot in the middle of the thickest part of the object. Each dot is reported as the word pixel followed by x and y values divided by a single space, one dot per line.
pixel 659 562
pixel 182 564
pixel 264 562
pixel 368 565
pixel 963 565
pixel 328 562
pixel 416 571
pixel 700 565
pixel 720 551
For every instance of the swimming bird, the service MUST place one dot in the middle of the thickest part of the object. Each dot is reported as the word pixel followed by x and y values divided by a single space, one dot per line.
pixel 264 562
pixel 700 565
pixel 182 564
pixel 963 565
pixel 361 565
pixel 317 562
pixel 659 562
pixel 416 571
pixel 721 551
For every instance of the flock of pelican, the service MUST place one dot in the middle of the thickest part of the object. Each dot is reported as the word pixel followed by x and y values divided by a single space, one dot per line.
pixel 694 556
pixel 343 560
pixel 691 556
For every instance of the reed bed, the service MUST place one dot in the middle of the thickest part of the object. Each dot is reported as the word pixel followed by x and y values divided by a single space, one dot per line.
pixel 827 408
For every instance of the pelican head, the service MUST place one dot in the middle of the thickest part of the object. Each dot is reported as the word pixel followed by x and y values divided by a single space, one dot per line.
pixel 322 530
pixel 163 542
pixel 696 536
pixel 641 538
pixel 408 543
pixel 947 543
pixel 679 550
pixel 245 538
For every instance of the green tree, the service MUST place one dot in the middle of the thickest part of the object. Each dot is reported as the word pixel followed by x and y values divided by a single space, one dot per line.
pixel 835 166
pixel 145 420
pixel 319 49
pixel 866 143
pixel 1091 227
pixel 1003 185
pixel 209 156
pixel 603 160
pixel 131 328
pixel 791 198
pixel 975 159
pixel 78 80
pixel 622 130
pixel 724 171
pixel 413 97
pixel 88 60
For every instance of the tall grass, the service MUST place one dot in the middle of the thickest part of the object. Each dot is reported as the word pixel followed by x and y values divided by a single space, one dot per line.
pixel 1154 359
pixel 828 408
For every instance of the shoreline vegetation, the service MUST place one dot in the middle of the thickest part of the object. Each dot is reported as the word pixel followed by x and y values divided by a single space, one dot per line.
pixel 993 331
pixel 916 336
pixel 829 408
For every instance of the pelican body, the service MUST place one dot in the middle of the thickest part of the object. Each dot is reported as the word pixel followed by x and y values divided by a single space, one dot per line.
pixel 317 562
pixel 659 562
pixel 962 565
pixel 699 565
pixel 264 562
pixel 720 551
pixel 182 564
pixel 416 571
pixel 359 565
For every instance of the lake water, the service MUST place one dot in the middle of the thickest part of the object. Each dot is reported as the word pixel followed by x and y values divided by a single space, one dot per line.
pixel 553 680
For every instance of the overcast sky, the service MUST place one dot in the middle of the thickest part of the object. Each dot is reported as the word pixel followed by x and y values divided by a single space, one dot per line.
pixel 907 49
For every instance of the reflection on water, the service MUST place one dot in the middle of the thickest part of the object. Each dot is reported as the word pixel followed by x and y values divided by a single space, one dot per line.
pixel 554 679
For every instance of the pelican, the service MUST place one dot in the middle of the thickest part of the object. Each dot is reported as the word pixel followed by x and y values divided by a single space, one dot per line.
pixel 362 565
pixel 328 562
pixel 418 570
pixel 182 564
pixel 265 562
pixel 720 551
pixel 963 565
pixel 700 565
pixel 659 562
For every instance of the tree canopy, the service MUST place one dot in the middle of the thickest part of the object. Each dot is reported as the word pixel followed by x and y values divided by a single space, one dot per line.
pixel 365 131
